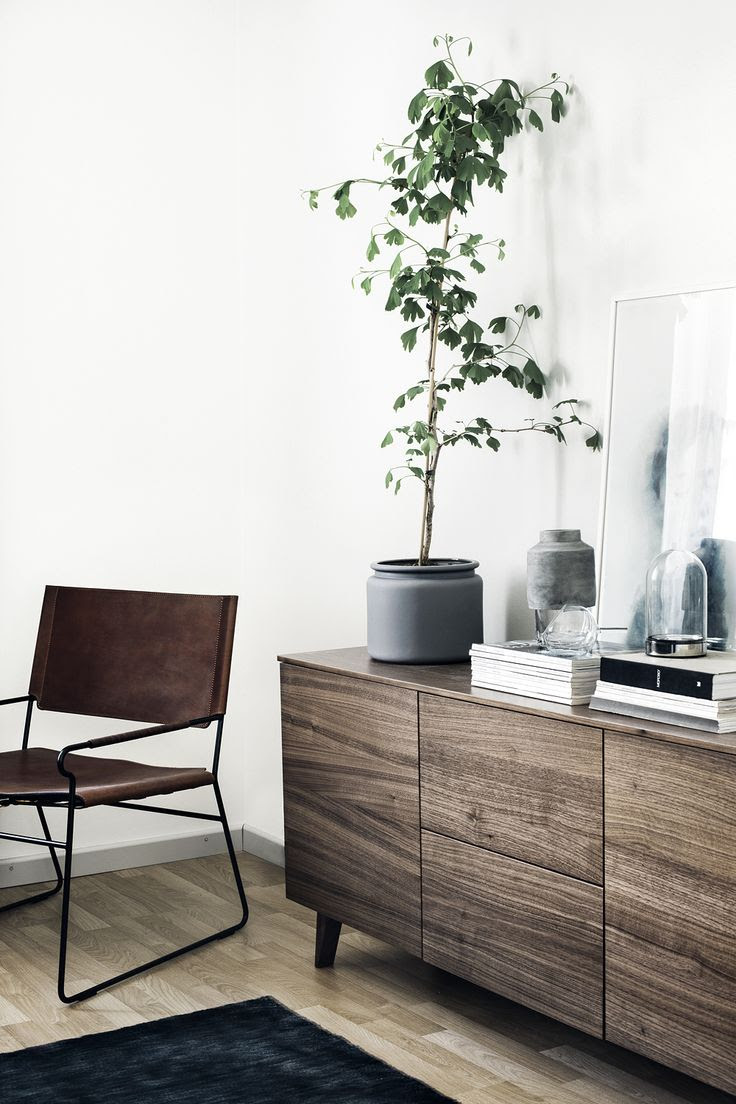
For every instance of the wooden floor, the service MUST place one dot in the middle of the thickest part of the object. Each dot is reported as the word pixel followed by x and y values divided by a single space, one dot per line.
pixel 469 1044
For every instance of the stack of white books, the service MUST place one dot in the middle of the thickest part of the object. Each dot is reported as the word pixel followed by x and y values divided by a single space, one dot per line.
pixel 695 693
pixel 523 667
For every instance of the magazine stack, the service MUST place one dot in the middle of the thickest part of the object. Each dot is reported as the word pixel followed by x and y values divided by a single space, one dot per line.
pixel 523 667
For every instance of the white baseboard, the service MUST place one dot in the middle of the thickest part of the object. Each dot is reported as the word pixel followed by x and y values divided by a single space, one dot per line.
pixel 111 856
pixel 98 858
pixel 263 846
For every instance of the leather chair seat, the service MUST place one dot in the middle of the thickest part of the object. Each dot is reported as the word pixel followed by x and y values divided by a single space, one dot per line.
pixel 32 774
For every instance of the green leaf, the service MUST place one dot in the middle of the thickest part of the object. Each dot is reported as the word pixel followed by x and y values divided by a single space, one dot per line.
pixel 440 203
pixel 313 200
pixel 438 75
pixel 493 443
pixel 411 310
pixel 396 265
pixel 556 105
pixel 417 105
pixel 462 103
pixel 345 208
pixel 417 389
pixel 480 132
pixel 424 171
pixel 450 336
pixel 372 251
pixel 512 374
pixel 478 266
pixel 393 300
pixel 535 120
pixel 409 339
pixel 394 236
pixel 595 441
pixel 535 380
pixel 468 168
pixel 498 325
pixel 366 284
pixel 389 478
pixel 533 311
pixel 440 135
pixel 387 440
pixel 400 401
pixel 471 331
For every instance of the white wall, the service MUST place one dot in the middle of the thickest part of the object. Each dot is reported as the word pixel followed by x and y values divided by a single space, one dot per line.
pixel 119 332
pixel 152 148
pixel 632 191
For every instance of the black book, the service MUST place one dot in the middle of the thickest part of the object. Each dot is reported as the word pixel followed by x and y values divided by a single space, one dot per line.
pixel 712 677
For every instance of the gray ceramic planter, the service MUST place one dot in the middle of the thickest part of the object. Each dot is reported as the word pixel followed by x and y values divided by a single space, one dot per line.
pixel 428 614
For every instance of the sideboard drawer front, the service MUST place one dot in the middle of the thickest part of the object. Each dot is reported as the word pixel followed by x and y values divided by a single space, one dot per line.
pixel 671 905
pixel 351 801
pixel 522 785
pixel 532 935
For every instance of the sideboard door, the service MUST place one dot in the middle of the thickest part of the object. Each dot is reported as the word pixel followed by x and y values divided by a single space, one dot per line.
pixel 351 801
pixel 527 933
pixel 670 882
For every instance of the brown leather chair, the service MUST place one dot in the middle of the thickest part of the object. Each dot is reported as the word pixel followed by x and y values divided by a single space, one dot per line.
pixel 131 655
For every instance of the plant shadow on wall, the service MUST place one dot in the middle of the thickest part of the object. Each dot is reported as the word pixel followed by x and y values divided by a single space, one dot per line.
pixel 460 131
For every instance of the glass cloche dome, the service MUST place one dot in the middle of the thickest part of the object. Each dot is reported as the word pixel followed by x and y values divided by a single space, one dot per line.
pixel 676 605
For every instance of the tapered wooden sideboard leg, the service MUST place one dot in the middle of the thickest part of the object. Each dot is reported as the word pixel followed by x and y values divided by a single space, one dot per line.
pixel 328 934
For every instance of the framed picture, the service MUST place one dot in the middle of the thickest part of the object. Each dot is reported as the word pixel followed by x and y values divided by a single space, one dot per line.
pixel 669 473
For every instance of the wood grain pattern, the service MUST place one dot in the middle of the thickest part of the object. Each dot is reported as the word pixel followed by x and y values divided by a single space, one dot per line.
pixel 474 1046
pixel 530 934
pixel 671 905
pixel 525 786
pixel 452 680
pixel 351 795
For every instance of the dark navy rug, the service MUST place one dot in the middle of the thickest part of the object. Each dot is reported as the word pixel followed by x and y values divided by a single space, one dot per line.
pixel 256 1052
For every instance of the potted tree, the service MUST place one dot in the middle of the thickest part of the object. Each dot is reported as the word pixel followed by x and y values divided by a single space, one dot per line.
pixel 424 609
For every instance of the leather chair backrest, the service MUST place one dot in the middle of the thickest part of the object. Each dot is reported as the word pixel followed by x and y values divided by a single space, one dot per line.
pixel 133 655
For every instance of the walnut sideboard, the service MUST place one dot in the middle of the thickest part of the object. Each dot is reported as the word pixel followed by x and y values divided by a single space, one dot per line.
pixel 581 863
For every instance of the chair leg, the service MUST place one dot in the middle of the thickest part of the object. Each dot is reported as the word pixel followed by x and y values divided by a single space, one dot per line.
pixel 70 998
pixel 57 870
pixel 233 859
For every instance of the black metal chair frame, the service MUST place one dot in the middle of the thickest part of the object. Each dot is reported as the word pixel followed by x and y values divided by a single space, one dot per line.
pixel 71 803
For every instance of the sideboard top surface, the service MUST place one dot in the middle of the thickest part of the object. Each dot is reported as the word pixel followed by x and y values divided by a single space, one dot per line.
pixel 452 680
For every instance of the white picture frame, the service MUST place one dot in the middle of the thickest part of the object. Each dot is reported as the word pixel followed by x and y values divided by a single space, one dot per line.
pixel 684 333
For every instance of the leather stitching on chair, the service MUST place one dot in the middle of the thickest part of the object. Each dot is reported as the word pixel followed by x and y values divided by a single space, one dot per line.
pixel 217 652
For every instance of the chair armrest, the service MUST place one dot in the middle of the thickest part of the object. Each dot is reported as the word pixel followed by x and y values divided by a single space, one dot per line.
pixel 126 737
pixel 14 701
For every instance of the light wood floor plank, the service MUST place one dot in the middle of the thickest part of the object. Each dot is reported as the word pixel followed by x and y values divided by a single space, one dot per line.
pixel 474 1046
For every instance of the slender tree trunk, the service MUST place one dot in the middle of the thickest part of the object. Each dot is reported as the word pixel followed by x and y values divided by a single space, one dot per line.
pixel 430 464
pixel 429 509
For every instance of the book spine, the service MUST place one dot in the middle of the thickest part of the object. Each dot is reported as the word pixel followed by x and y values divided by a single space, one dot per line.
pixel 657 677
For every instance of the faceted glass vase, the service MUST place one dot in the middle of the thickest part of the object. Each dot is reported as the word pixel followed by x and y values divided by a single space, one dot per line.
pixel 676 605
pixel 571 632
